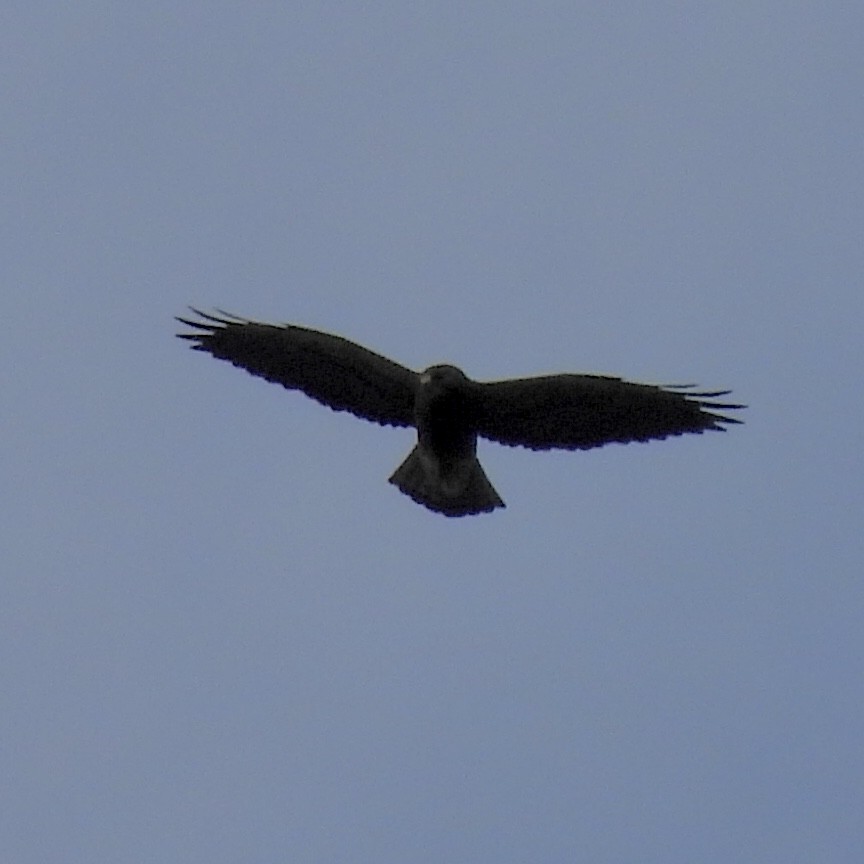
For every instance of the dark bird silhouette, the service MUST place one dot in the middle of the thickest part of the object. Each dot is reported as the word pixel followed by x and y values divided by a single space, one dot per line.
pixel 449 410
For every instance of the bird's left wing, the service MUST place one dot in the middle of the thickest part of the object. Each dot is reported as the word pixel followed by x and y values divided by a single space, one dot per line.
pixel 577 412
pixel 332 370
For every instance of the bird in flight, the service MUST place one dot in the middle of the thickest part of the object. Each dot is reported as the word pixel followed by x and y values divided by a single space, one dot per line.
pixel 450 411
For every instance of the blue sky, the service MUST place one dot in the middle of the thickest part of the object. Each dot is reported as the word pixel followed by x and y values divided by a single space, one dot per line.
pixel 224 637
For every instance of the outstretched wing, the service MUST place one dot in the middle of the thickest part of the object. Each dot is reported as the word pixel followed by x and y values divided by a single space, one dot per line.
pixel 577 412
pixel 338 373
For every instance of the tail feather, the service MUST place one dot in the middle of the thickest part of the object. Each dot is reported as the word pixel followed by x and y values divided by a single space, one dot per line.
pixel 462 491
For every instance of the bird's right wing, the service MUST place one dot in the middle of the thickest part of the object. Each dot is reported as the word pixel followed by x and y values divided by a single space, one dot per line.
pixel 332 370
pixel 578 412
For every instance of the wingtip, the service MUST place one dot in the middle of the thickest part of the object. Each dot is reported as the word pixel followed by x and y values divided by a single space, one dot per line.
pixel 704 400
pixel 228 317
pixel 208 323
pixel 209 316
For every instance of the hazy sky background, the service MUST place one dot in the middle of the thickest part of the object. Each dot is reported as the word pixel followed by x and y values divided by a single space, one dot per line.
pixel 225 638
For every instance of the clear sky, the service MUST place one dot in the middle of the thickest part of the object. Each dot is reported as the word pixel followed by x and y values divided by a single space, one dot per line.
pixel 225 638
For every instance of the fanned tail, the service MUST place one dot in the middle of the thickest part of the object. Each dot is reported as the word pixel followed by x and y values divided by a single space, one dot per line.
pixel 462 491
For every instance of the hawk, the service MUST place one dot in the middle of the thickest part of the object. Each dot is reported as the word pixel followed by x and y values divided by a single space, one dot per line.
pixel 450 411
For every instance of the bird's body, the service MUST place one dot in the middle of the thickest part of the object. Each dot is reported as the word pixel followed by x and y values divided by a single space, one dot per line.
pixel 442 472
pixel 450 411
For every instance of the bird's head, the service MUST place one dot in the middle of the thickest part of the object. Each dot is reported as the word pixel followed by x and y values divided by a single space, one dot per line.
pixel 442 403
pixel 441 382
pixel 442 376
